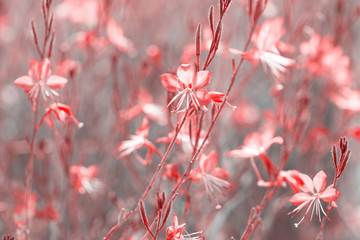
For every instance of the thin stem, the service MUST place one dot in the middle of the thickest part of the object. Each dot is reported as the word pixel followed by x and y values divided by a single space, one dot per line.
pixel 232 81
pixel 29 173
pixel 160 166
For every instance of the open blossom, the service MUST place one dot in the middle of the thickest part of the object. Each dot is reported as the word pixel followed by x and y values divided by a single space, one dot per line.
pixel 40 80
pixel 80 12
pixel 309 197
pixel 255 145
pixel 267 41
pixel 345 98
pixel 116 36
pixel 214 177
pixel 188 85
pixel 175 232
pixel 84 179
pixel 323 59
pixel 145 105
pixel 62 112
pixel 137 141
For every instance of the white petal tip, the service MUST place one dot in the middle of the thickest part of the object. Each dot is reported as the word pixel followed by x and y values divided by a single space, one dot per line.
pixel 218 207
pixel 80 125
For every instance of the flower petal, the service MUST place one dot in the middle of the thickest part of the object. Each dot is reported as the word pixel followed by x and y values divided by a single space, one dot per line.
pixel 320 181
pixel 201 79
pixel 244 152
pixel 209 162
pixel 203 97
pixel 307 184
pixel 219 173
pixel 330 194
pixel 44 69
pixel 34 69
pixel 55 82
pixel 300 198
pixel 170 82
pixel 25 82
pixel 185 74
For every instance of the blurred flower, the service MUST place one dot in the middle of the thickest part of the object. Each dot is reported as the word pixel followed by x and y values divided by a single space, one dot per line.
pixel 39 79
pixel 266 40
pixel 84 179
pixel 188 84
pixel 214 177
pixel 137 141
pixel 323 59
pixel 309 197
pixel 171 172
pixel 62 112
pixel 345 98
pixel 116 36
pixel 255 145
pixel 175 232
pixel 80 12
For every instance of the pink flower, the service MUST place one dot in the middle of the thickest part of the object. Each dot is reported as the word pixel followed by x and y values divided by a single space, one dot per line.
pixel 214 178
pixel 116 36
pixel 323 59
pixel 175 232
pixel 62 112
pixel 137 141
pixel 80 12
pixel 39 79
pixel 346 98
pixel 255 145
pixel 267 40
pixel 309 197
pixel 188 85
pixel 84 179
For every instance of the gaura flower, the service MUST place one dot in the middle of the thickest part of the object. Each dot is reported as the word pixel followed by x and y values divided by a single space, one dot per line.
pixel 84 179
pixel 267 41
pixel 323 59
pixel 188 85
pixel 116 36
pixel 174 232
pixel 137 141
pixel 40 80
pixel 62 112
pixel 309 197
pixel 214 177
pixel 255 145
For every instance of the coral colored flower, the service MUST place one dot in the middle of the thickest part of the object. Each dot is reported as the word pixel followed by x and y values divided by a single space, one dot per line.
pixel 84 179
pixel 255 145
pixel 267 40
pixel 40 80
pixel 309 197
pixel 145 105
pixel 346 98
pixel 90 40
pixel 80 12
pixel 137 141
pixel 214 178
pixel 323 59
pixel 188 85
pixel 171 172
pixel 175 232
pixel 62 112
pixel 116 36
pixel 20 204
